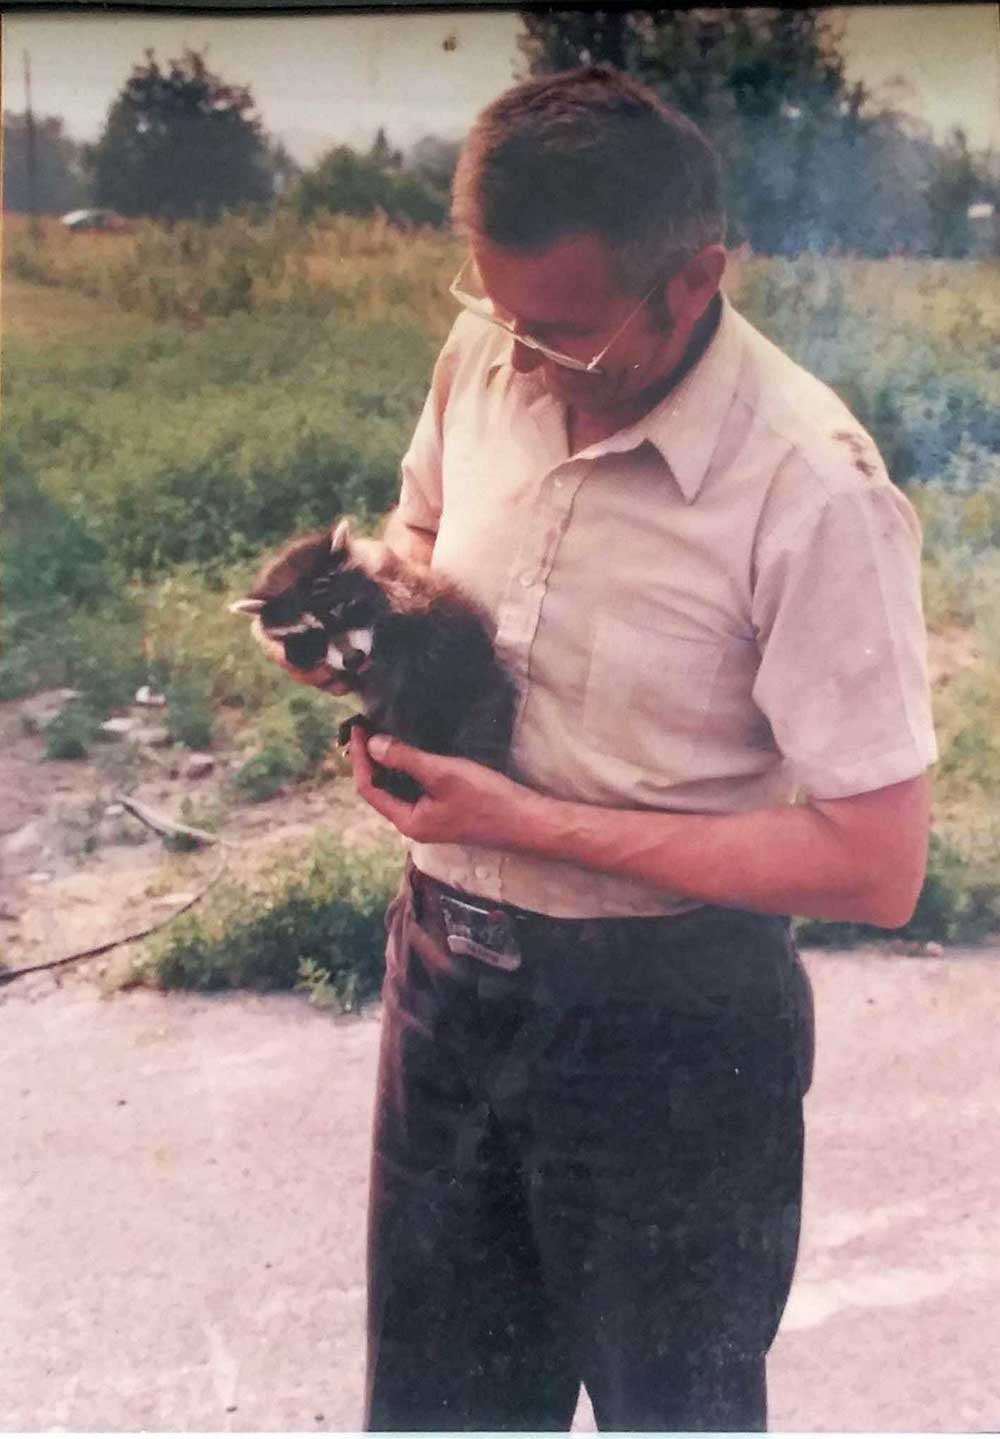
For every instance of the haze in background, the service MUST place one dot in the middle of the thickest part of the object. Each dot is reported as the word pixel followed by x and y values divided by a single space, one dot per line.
pixel 322 80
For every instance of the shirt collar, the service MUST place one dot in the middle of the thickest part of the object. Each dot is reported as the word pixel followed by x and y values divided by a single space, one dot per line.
pixel 685 426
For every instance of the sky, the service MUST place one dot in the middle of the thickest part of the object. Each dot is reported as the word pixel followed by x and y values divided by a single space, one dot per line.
pixel 320 80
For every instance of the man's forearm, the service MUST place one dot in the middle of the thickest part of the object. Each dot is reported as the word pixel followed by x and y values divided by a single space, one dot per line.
pixel 788 860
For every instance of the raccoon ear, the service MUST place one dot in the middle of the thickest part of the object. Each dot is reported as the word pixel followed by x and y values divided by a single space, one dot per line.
pixel 246 607
pixel 340 536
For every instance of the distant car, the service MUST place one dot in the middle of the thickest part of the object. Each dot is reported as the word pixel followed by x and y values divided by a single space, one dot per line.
pixel 93 220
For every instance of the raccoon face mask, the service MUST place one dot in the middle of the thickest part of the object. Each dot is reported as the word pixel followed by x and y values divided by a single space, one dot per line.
pixel 318 600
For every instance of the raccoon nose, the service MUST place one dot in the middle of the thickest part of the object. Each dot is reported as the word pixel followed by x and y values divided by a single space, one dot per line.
pixel 353 660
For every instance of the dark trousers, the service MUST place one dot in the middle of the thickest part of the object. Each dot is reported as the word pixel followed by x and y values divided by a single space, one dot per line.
pixel 587 1169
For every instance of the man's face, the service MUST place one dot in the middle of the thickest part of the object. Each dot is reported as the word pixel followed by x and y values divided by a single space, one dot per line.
pixel 569 297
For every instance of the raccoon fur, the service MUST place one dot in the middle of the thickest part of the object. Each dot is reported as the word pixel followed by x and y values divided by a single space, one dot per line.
pixel 415 650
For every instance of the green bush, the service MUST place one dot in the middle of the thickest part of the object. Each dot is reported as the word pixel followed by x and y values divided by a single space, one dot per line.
pixel 319 924
pixel 267 772
pixel 295 736
pixel 347 183
pixel 190 719
pixel 70 734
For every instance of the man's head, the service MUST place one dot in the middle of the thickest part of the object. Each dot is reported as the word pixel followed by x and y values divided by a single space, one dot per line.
pixel 584 197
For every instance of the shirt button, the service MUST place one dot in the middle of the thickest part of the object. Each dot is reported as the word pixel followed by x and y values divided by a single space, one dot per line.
pixel 527 580
pixel 559 484
pixel 482 871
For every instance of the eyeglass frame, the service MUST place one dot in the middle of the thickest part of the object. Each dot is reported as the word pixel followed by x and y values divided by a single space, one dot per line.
pixel 481 307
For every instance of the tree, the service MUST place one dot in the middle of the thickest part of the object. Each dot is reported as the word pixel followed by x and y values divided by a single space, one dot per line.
pixel 59 179
pixel 285 170
pixel 344 182
pixel 768 84
pixel 435 159
pixel 382 154
pixel 181 143
pixel 954 185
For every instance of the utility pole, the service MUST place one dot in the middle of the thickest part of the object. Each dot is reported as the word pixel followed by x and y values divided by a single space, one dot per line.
pixel 31 156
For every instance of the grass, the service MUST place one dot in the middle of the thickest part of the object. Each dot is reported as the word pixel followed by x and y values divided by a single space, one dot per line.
pixel 292 740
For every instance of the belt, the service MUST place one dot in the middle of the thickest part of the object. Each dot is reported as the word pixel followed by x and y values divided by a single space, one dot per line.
pixel 492 931
pixel 478 928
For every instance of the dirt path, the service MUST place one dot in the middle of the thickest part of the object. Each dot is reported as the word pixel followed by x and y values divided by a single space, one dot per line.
pixel 184 1201
pixel 76 871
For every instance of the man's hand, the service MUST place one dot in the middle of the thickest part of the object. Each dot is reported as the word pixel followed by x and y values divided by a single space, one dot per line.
pixel 860 858
pixel 463 803
pixel 321 678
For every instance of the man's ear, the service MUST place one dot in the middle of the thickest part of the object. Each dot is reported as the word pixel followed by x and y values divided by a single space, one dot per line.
pixel 246 607
pixel 340 536
pixel 691 290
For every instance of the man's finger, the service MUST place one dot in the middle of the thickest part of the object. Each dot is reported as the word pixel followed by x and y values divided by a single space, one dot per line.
pixel 396 811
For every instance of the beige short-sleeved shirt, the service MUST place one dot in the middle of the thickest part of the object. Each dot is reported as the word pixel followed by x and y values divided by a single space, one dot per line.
pixel 708 611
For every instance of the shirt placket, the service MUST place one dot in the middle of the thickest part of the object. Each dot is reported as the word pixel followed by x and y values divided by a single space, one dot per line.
pixel 520 608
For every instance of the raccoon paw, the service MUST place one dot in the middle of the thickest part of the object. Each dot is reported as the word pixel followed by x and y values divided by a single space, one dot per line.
pixel 344 730
pixel 395 782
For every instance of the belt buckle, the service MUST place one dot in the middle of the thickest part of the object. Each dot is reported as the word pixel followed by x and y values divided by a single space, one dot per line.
pixel 484 934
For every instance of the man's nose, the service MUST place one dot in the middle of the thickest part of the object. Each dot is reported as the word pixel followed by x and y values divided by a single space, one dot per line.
pixel 524 358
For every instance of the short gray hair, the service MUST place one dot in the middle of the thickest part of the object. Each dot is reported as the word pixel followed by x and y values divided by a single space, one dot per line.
pixel 591 151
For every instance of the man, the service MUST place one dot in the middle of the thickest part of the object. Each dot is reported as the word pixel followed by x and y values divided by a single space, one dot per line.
pixel 588 1146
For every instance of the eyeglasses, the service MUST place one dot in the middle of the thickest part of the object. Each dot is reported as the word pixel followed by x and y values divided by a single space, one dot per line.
pixel 479 303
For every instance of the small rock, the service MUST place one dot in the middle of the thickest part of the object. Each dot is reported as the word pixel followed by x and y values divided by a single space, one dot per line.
pixel 934 949
pixel 40 876
pixel 144 695
pixel 28 837
pixel 156 736
pixel 199 765
pixel 120 727
pixel 42 709
pixel 113 811
pixel 179 898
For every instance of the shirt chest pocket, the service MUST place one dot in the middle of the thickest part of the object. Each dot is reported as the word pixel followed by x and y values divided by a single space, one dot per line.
pixel 647 693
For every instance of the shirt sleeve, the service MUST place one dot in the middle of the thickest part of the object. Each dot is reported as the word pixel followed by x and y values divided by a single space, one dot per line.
pixel 420 495
pixel 839 621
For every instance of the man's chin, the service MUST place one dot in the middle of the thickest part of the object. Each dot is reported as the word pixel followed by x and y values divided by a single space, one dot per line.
pixel 574 388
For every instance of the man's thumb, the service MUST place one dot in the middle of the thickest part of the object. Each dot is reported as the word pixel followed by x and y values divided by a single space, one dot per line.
pixel 394 754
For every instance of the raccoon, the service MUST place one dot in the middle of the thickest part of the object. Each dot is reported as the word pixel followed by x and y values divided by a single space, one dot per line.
pixel 415 650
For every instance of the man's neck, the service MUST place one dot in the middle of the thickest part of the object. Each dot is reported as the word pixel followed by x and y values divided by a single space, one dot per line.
pixel 583 429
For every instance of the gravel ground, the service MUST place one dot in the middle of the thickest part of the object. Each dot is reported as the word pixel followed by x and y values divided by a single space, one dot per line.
pixel 184 1192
